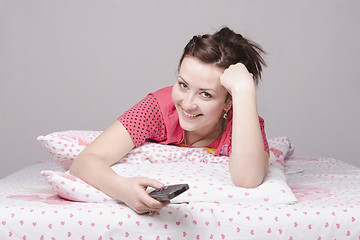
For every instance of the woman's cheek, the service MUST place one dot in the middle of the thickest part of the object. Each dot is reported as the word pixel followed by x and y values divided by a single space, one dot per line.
pixel 175 95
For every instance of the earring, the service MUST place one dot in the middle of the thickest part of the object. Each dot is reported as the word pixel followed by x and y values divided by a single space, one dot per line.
pixel 226 114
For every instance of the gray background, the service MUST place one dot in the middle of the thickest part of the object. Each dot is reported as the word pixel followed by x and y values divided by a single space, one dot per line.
pixel 79 64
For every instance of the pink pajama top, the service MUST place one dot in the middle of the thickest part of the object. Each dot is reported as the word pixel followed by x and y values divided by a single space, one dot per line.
pixel 155 119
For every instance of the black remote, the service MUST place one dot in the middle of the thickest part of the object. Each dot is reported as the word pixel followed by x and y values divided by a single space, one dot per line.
pixel 168 192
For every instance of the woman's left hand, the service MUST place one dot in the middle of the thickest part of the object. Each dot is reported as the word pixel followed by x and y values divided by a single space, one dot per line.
pixel 248 161
pixel 236 77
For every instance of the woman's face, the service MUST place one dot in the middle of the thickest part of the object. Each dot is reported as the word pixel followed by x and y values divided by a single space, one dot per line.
pixel 199 98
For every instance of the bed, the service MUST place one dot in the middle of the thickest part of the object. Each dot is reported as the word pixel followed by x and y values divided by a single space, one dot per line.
pixel 301 198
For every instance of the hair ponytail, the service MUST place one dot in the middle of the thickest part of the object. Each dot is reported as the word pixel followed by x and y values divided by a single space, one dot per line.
pixel 225 48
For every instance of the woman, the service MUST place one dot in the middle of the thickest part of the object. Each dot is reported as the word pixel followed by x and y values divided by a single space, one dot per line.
pixel 212 105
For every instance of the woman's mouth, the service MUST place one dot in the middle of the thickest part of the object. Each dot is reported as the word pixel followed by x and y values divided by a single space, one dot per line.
pixel 189 115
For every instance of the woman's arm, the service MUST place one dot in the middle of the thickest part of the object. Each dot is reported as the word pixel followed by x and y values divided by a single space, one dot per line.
pixel 249 161
pixel 93 166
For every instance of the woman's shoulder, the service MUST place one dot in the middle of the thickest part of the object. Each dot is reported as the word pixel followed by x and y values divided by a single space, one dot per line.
pixel 163 98
pixel 163 92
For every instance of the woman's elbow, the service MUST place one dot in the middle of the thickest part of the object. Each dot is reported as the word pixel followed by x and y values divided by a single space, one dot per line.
pixel 77 167
pixel 250 178
pixel 249 182
pixel 74 170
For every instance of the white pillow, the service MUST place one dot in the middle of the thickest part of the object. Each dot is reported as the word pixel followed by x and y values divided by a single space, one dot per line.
pixel 207 175
pixel 65 146
pixel 209 182
pixel 280 148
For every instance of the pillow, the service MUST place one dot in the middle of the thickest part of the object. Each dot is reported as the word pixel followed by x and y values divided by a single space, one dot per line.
pixel 280 148
pixel 209 182
pixel 72 188
pixel 207 175
pixel 65 146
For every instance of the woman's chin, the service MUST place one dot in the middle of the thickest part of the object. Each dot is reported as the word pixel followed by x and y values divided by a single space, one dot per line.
pixel 187 127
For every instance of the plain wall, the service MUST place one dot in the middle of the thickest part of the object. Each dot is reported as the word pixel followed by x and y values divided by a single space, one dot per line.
pixel 76 64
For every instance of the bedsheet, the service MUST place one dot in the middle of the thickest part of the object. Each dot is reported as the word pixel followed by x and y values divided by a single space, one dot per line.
pixel 328 207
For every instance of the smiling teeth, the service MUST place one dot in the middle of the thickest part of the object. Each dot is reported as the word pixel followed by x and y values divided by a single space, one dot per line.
pixel 189 115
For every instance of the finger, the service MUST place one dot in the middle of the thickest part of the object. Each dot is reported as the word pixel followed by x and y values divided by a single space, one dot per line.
pixel 141 207
pixel 149 182
pixel 153 204
pixel 159 205
pixel 149 202
pixel 141 211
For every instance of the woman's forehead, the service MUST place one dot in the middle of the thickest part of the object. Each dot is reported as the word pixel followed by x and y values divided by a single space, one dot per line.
pixel 203 75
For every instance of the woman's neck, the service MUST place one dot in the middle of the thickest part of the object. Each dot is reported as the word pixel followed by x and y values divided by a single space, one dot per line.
pixel 201 140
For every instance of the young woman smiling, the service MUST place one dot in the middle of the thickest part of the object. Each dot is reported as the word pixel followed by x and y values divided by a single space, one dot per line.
pixel 212 104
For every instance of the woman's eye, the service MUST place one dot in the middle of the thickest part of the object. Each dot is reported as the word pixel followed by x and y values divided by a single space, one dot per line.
pixel 182 85
pixel 206 95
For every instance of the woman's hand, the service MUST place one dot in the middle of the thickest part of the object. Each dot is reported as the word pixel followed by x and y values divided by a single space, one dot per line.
pixel 93 166
pixel 248 161
pixel 134 195
pixel 236 77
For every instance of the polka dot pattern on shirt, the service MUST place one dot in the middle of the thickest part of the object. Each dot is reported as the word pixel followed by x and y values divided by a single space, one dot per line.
pixel 262 127
pixel 144 121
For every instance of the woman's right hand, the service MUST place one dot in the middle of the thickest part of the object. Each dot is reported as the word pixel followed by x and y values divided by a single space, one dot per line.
pixel 93 166
pixel 134 195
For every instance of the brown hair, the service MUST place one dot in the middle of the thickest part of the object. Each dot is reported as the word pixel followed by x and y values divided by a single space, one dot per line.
pixel 225 48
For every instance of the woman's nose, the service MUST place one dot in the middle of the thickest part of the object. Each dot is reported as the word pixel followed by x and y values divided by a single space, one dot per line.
pixel 189 102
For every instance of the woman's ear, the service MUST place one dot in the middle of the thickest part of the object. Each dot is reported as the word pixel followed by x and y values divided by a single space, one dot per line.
pixel 228 103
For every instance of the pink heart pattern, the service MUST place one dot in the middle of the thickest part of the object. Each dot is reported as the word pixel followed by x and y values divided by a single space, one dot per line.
pixel 328 207
pixel 208 176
